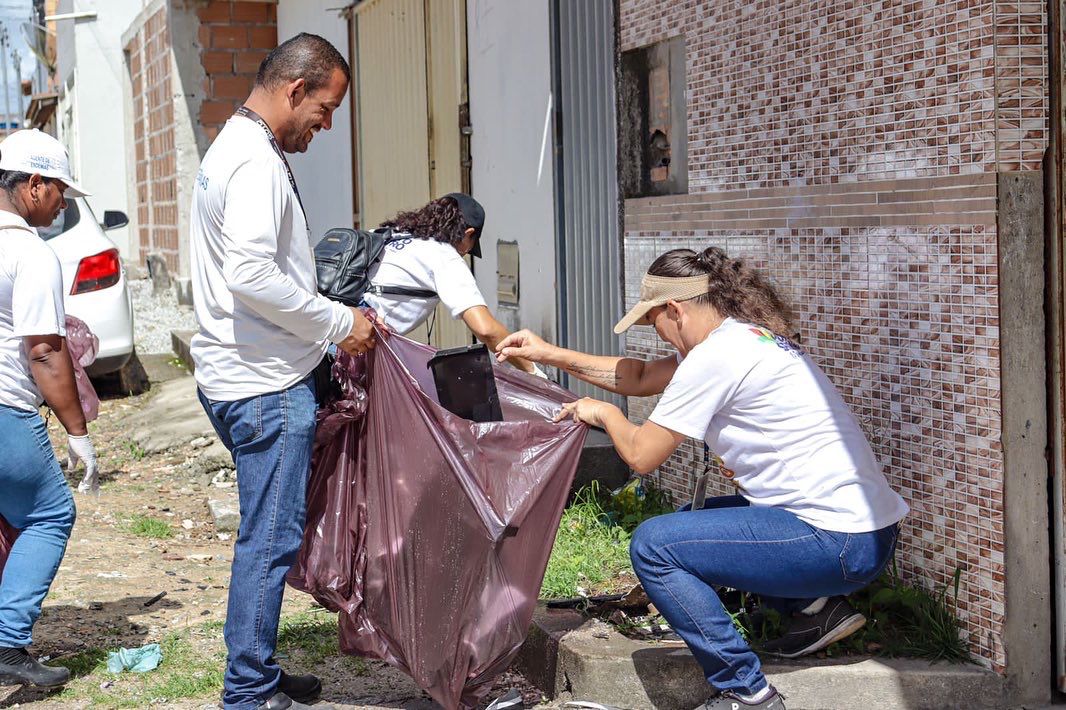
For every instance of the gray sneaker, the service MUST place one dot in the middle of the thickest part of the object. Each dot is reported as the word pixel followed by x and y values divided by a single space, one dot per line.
pixel 807 634
pixel 728 700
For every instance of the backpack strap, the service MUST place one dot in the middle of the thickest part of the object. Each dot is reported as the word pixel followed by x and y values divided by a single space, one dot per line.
pixel 401 291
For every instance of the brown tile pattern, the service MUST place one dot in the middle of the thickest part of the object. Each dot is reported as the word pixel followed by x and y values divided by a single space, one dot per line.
pixel 148 61
pixel 823 91
pixel 953 199
pixel 1021 84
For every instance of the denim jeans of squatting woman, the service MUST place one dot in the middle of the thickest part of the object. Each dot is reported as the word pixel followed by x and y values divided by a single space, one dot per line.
pixel 35 500
pixel 759 549
pixel 270 438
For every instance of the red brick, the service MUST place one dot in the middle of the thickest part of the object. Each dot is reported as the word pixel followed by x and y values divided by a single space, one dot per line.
pixel 252 11
pixel 215 11
pixel 226 37
pixel 204 35
pixel 217 62
pixel 249 60
pixel 263 37
pixel 215 112
pixel 231 87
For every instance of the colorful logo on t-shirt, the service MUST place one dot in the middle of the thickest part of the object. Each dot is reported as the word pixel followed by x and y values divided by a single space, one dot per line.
pixel 766 336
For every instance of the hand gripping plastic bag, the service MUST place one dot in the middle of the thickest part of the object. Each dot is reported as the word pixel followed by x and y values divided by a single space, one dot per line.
pixel 428 532
pixel 83 346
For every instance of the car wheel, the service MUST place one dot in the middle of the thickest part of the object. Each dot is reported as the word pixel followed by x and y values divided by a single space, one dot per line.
pixel 132 379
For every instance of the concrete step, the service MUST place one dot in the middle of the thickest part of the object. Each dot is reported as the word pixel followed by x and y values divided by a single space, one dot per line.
pixel 180 343
pixel 566 655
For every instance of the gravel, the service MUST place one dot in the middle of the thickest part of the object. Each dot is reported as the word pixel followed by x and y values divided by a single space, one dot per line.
pixel 154 316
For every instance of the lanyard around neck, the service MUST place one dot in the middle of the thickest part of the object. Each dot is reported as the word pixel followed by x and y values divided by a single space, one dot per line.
pixel 251 115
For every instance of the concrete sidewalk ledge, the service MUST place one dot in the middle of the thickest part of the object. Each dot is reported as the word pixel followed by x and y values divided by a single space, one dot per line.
pixel 566 655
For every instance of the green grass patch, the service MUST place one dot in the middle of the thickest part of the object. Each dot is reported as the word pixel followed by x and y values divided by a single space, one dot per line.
pixel 147 526
pixel 591 548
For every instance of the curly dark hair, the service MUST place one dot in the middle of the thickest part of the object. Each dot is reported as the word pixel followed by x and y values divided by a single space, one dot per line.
pixel 733 288
pixel 439 220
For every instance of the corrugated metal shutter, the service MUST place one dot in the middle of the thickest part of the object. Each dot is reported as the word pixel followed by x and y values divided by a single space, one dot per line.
pixel 590 254
pixel 446 42
pixel 408 115
pixel 393 112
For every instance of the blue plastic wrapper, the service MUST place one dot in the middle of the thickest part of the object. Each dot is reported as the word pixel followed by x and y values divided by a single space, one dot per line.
pixel 138 660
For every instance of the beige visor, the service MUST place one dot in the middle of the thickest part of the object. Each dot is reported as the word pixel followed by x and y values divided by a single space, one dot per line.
pixel 656 291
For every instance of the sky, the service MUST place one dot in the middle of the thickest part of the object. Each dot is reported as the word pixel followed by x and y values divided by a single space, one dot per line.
pixel 12 14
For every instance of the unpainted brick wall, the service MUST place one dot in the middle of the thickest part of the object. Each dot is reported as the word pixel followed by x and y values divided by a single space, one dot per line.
pixel 235 37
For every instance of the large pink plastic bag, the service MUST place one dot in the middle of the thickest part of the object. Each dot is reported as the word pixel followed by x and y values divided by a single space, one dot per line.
pixel 83 346
pixel 7 539
pixel 431 533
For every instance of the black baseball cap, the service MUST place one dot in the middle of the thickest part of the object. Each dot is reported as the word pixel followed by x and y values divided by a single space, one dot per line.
pixel 473 215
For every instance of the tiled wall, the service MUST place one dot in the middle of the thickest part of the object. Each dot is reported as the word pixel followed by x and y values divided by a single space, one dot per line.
pixel 851 149
pixel 149 65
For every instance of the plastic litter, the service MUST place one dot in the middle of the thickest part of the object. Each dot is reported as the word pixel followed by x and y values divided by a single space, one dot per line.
pixel 511 699
pixel 83 346
pixel 139 660
pixel 428 532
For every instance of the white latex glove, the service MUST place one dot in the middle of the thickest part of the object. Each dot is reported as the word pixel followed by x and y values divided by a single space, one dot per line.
pixel 79 448
pixel 539 372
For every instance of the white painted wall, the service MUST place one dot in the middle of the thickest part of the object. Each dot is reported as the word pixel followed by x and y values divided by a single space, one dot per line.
pixel 510 103
pixel 97 139
pixel 324 172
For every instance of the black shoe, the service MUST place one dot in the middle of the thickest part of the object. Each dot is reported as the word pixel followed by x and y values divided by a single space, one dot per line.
pixel 281 701
pixel 807 634
pixel 18 667
pixel 301 688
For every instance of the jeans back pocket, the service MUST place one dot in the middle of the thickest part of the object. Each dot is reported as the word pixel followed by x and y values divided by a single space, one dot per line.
pixel 864 555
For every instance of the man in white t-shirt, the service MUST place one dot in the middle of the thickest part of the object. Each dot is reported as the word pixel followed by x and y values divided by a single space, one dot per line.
pixel 35 366
pixel 263 330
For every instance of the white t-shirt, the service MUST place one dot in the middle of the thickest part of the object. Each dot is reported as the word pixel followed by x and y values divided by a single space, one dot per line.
pixel 31 303
pixel 263 325
pixel 424 264
pixel 779 428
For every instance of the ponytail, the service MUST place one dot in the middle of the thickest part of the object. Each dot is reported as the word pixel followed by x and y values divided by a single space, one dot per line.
pixel 733 288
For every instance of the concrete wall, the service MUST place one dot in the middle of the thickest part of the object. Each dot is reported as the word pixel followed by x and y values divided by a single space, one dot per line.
pixel 510 101
pixel 98 149
pixel 324 172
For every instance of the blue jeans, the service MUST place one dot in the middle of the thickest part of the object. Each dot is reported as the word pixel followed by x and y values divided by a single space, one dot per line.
pixel 36 501
pixel 759 549
pixel 270 438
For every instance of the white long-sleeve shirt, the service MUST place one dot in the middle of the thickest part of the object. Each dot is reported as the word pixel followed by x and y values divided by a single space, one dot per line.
pixel 263 325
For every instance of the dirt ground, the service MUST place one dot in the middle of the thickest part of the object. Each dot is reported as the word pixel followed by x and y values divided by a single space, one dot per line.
pixel 98 600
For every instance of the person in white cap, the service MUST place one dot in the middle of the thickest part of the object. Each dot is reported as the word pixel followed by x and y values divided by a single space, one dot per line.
pixel 813 519
pixel 34 365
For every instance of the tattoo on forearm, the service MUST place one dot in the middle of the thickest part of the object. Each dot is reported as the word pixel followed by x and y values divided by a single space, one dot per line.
pixel 595 374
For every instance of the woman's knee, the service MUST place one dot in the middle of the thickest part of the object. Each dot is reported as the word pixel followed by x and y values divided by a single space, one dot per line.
pixel 646 544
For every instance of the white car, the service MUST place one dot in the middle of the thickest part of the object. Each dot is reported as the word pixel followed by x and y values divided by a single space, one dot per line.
pixel 94 280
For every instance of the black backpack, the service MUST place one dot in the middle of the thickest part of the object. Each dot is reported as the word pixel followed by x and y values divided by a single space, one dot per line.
pixel 343 259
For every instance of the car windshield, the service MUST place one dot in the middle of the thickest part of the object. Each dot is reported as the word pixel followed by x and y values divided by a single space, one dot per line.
pixel 64 222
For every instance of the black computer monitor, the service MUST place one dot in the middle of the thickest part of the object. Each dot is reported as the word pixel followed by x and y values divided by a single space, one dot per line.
pixel 465 383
